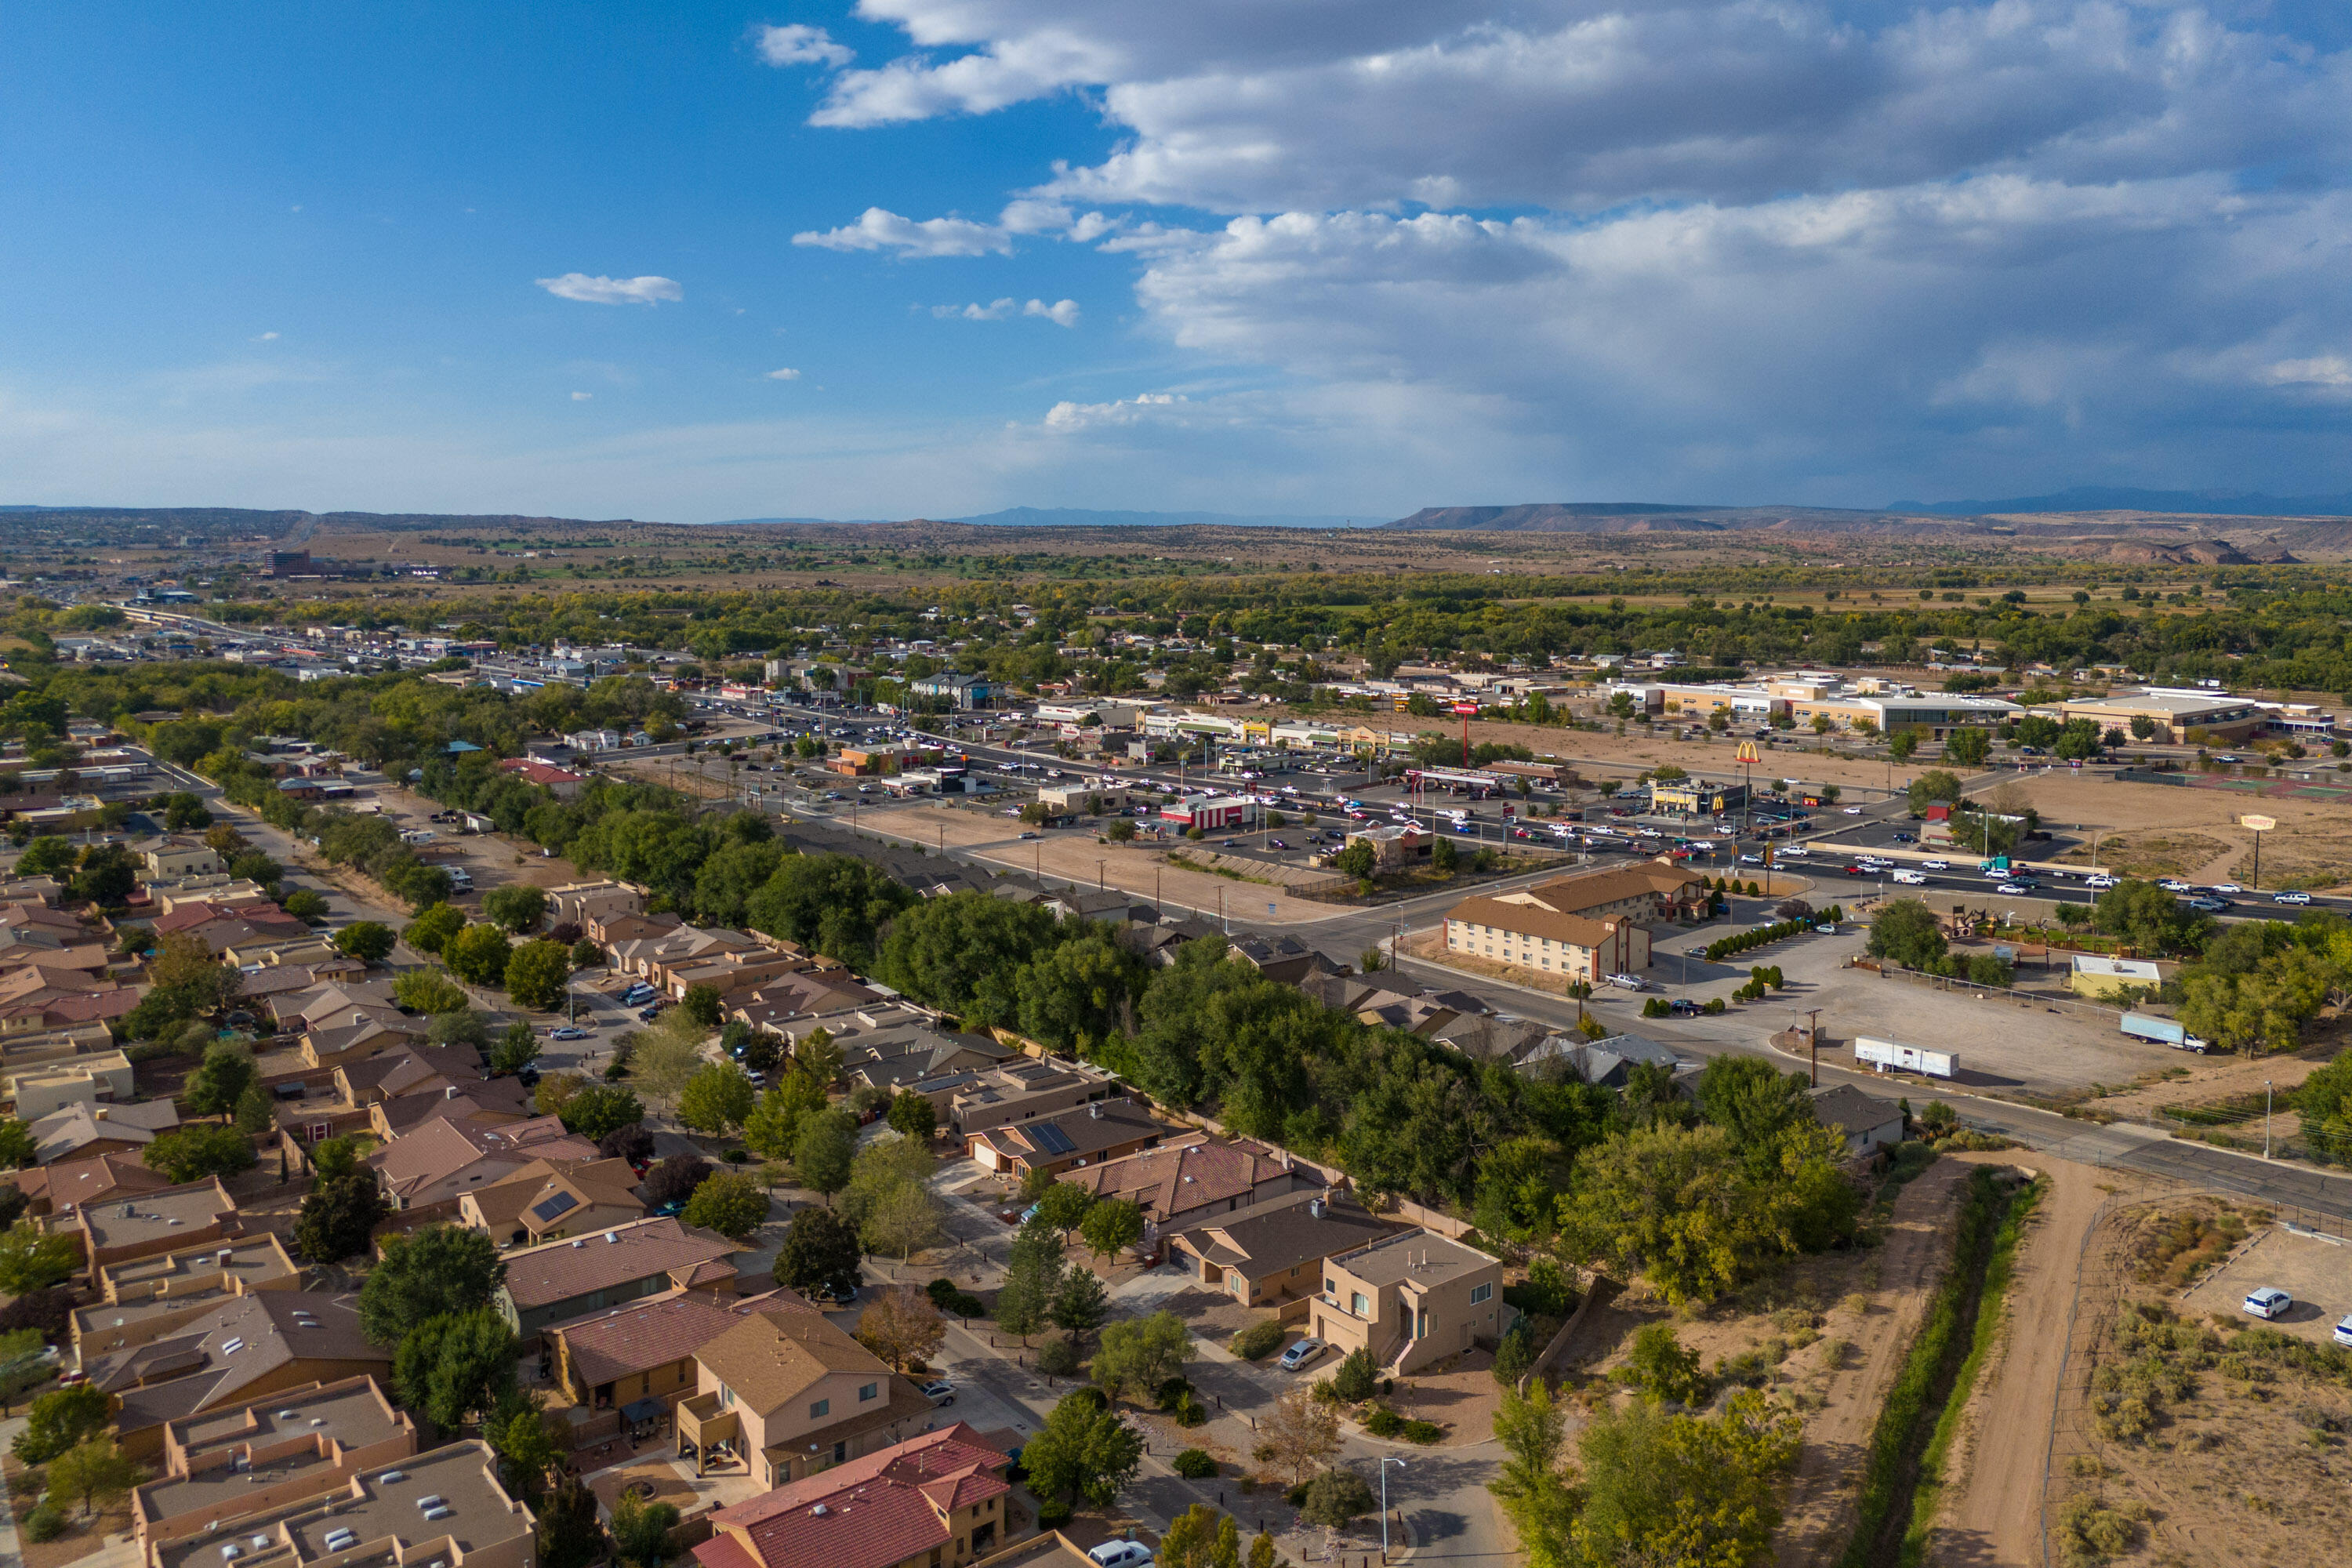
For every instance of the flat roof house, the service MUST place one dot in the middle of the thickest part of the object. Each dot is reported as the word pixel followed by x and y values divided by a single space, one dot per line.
pixel 303 1443
pixel 147 1298
pixel 242 1350
pixel 2096 974
pixel 446 1506
pixel 1410 1299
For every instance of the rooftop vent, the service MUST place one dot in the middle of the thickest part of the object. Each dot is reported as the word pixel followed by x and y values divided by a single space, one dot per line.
pixel 613 1236
pixel 287 1415
pixel 258 1541
pixel 232 1347
pixel 431 1499
pixel 230 1552
pixel 820 1510
pixel 442 1512
pixel 579 1241
pixel 391 1477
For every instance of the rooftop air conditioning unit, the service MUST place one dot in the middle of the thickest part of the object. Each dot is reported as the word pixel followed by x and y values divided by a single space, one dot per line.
pixel 390 1476
pixel 430 1501
pixel 444 1512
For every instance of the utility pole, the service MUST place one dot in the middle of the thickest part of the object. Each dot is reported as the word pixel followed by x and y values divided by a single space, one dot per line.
pixel 2266 1118
pixel 1813 1045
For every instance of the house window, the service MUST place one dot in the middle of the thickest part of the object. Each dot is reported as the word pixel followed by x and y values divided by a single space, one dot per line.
pixel 1358 1305
pixel 819 1409
pixel 867 1391
pixel 1481 1293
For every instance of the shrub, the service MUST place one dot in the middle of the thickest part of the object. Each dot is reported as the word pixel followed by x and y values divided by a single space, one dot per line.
pixel 1057 1356
pixel 1194 1465
pixel 1713 1005
pixel 1422 1432
pixel 1188 1413
pixel 1354 1379
pixel 45 1523
pixel 1335 1497
pixel 1383 1422
pixel 1259 1340
pixel 1054 1514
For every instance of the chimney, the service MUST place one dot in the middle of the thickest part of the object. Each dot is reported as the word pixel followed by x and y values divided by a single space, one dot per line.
pixel 449 1092
pixel 358 1018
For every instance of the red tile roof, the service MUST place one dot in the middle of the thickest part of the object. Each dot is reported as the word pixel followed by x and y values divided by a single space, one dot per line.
pixel 870 1512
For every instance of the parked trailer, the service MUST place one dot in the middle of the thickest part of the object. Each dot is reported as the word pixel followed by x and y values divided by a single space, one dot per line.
pixel 2163 1032
pixel 1885 1055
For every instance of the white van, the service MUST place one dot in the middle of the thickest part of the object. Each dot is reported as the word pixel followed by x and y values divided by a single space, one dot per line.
pixel 1911 879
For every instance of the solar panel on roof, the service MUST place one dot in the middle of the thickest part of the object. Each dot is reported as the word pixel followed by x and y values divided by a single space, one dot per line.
pixel 548 1208
pixel 1051 1139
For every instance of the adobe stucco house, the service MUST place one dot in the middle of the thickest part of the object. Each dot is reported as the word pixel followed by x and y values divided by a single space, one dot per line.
pixel 1409 1299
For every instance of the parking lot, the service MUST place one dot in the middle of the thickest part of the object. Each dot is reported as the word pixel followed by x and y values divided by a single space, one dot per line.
pixel 2317 1273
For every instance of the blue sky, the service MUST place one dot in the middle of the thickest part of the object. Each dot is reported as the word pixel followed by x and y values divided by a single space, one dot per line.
pixel 1323 256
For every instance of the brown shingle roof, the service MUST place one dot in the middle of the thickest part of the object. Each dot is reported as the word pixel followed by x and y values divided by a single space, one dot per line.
pixel 612 1344
pixel 558 1270
pixel 772 1356
pixel 1527 920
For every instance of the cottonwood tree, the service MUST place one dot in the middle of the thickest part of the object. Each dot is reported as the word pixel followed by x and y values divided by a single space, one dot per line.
pixel 1299 1436
pixel 903 1326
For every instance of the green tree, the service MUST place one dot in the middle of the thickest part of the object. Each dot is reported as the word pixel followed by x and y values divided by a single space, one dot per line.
pixel 2147 917
pixel 427 991
pixel 1080 1303
pixel 904 1218
pixel 734 1206
pixel 822 1151
pixel 913 1116
pixel 772 1129
pixel 434 926
pixel 641 1531
pixel 464 1027
pixel 700 1003
pixel 1907 931
pixel 817 1055
pixel 820 1251
pixel 335 1158
pixel 1111 1226
pixel 1535 1495
pixel 1660 1486
pixel 1902 746
pixel 1935 785
pixel 1356 1376
pixel 371 941
pixel 1659 1363
pixel 518 1048
pixel 1063 1207
pixel 1968 747
pixel 221 1080
pixel 442 1270
pixel 62 1419
pixel 18 1149
pixel 1137 1356
pixel 339 1217
pixel 570 1533
pixel 192 1154
pixel 1033 1274
pixel 1336 1496
pixel 517 906
pixel 527 1450
pixel 310 908
pixel 536 975
pixel 92 1472
pixel 716 1101
pixel 457 1365
pixel 478 955
pixel 596 1109
pixel 1754 1101
pixel 1083 1450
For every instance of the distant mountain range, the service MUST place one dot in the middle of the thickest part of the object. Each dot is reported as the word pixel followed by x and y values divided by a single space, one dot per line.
pixel 1080 517
pixel 2112 498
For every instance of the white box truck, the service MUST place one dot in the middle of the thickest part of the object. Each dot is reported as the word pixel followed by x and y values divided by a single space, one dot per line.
pixel 2163 1032
pixel 1886 1056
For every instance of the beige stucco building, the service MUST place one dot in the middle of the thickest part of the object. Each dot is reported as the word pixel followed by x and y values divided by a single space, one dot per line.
pixel 1409 1299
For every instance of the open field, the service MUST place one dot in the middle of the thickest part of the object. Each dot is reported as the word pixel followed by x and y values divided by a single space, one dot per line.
pixel 2184 1438
pixel 2311 845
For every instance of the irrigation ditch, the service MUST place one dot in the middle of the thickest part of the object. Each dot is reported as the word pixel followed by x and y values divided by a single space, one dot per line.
pixel 1902 1474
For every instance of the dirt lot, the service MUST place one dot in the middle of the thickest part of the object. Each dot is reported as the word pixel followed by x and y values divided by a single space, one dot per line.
pixel 2312 846
pixel 2184 1439
pixel 2315 1272
pixel 2200 1080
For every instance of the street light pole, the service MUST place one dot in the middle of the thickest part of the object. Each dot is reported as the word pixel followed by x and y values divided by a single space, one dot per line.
pixel 2266 1118
pixel 1385 1462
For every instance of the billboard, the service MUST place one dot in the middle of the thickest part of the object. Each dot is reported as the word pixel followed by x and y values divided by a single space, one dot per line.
pixel 1885 1055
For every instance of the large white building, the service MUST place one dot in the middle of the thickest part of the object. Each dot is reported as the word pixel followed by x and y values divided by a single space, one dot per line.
pixel 1802 695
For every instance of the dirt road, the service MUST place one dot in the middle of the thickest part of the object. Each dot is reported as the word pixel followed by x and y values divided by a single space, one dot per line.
pixel 1992 1495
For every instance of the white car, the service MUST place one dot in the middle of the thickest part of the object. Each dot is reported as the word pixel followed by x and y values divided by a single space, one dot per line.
pixel 2291 898
pixel 1854 811
pixel 2228 888
pixel 1120 1554
pixel 1935 865
pixel 2268 1303
pixel 2011 887
pixel 2097 879
pixel 2344 1332
pixel 1302 1352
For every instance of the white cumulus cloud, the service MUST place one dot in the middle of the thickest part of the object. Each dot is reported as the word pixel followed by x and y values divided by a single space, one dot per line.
pixel 265 337
pixel 787 374
pixel 798 45
pixel 1061 312
pixel 1072 417
pixel 583 397
pixel 876 230
pixel 601 290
